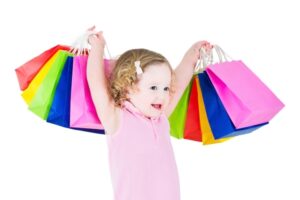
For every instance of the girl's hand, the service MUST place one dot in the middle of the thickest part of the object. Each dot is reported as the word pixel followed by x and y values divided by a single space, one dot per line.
pixel 96 39
pixel 193 54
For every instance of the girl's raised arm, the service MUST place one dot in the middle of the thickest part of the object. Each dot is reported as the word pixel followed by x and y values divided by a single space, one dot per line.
pixel 97 82
pixel 184 72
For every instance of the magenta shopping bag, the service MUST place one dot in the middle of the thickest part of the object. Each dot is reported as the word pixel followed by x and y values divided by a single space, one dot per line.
pixel 82 110
pixel 247 100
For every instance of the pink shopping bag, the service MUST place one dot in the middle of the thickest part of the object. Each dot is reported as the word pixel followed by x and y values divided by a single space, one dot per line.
pixel 82 110
pixel 247 100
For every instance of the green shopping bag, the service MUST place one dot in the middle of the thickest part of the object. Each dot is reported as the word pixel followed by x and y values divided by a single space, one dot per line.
pixel 178 116
pixel 42 100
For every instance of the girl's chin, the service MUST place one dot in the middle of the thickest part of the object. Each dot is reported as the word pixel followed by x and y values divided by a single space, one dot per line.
pixel 156 114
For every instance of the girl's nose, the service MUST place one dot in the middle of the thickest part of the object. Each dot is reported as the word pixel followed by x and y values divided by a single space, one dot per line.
pixel 162 94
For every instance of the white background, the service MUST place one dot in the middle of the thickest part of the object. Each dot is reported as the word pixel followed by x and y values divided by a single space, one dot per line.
pixel 42 161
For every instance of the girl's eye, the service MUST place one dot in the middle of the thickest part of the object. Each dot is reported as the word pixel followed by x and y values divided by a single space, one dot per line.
pixel 167 89
pixel 153 87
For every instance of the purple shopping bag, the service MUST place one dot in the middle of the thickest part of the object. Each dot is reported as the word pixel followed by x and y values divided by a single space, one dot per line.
pixel 247 100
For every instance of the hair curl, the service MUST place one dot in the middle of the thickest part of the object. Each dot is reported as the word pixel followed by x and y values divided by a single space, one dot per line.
pixel 124 76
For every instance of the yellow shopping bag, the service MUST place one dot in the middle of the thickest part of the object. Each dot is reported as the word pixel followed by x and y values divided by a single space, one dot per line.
pixel 207 135
pixel 29 93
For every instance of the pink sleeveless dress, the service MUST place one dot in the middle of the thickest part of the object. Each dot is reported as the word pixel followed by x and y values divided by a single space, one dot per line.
pixel 141 158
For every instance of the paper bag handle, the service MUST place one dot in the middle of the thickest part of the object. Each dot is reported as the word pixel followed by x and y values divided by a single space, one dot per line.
pixel 81 45
pixel 207 58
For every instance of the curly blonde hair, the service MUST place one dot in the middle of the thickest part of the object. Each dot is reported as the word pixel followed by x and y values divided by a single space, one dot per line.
pixel 124 76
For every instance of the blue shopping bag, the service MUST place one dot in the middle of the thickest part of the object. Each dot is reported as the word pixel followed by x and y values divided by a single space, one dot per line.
pixel 219 120
pixel 59 113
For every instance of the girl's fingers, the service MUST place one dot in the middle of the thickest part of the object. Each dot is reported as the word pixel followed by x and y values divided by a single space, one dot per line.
pixel 206 45
pixel 91 28
pixel 201 44
pixel 99 34
pixel 96 39
pixel 91 38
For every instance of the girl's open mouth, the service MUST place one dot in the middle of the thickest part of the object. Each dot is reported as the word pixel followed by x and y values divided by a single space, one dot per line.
pixel 157 106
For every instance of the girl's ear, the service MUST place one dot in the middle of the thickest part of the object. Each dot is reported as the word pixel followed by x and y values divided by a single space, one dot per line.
pixel 132 90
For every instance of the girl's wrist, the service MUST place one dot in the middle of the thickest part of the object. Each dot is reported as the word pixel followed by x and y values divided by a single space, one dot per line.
pixel 99 52
pixel 186 64
pixel 98 48
pixel 189 60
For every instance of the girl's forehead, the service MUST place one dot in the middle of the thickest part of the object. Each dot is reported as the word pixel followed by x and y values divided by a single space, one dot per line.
pixel 158 73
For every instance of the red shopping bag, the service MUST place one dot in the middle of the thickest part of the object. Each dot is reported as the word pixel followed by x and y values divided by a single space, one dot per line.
pixel 192 128
pixel 27 71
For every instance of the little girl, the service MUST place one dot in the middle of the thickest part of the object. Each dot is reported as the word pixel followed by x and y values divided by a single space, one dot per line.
pixel 134 105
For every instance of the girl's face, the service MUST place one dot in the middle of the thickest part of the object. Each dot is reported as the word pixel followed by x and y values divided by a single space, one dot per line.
pixel 153 95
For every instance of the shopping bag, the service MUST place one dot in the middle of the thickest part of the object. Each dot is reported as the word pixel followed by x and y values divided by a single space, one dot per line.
pixel 28 71
pixel 207 135
pixel 192 129
pixel 42 99
pixel 32 88
pixel 82 110
pixel 59 113
pixel 178 116
pixel 45 82
pixel 247 100
pixel 218 118
pixel 60 109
